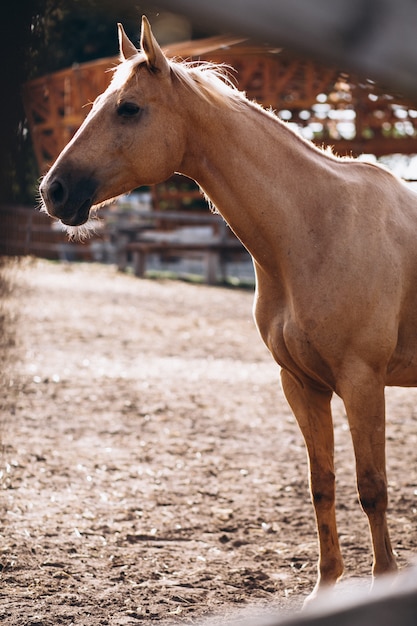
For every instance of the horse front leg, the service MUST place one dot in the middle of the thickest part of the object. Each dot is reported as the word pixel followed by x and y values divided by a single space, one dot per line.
pixel 363 395
pixel 312 410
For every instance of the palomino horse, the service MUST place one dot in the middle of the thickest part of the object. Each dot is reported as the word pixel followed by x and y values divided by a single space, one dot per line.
pixel 333 244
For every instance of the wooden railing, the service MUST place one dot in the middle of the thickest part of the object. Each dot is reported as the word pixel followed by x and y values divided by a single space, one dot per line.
pixel 171 234
pixel 178 234
pixel 27 231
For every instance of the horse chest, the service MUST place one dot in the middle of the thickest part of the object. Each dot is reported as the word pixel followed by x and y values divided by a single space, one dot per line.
pixel 296 348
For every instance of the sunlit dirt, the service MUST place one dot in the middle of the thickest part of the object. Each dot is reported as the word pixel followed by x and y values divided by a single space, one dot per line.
pixel 150 465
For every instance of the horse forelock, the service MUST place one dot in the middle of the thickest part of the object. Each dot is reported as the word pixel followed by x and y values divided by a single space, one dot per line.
pixel 124 70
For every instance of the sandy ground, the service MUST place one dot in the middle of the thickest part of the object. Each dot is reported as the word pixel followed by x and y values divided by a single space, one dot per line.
pixel 150 466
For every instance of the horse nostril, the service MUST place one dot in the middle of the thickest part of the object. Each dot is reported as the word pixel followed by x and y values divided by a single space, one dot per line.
pixel 57 192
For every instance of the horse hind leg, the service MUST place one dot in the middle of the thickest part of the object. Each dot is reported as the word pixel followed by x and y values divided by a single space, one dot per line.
pixel 312 410
pixel 364 399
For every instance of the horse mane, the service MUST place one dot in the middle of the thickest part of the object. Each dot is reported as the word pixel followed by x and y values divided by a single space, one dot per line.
pixel 215 83
pixel 212 81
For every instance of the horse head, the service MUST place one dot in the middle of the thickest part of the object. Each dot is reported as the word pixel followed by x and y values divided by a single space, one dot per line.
pixel 131 137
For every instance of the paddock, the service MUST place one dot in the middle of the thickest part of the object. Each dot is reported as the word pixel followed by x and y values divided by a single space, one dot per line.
pixel 150 465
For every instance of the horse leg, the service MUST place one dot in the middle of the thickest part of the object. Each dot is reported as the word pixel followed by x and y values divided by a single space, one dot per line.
pixel 364 401
pixel 312 410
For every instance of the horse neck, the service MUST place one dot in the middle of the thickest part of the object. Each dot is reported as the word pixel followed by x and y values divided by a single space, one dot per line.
pixel 261 177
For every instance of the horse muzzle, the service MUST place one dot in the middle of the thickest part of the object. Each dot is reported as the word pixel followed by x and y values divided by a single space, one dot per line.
pixel 68 200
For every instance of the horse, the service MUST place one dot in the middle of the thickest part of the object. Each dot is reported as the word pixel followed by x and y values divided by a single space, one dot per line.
pixel 333 243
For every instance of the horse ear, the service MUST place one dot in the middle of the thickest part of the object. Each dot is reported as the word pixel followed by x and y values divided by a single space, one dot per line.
pixel 155 58
pixel 126 47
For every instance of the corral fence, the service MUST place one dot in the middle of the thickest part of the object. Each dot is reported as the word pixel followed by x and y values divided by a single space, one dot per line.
pixel 26 231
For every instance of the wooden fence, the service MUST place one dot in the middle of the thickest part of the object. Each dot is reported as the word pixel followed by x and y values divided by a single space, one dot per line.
pixel 25 230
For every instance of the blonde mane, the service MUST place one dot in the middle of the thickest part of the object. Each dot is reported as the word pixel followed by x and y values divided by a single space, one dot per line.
pixel 212 81
pixel 215 83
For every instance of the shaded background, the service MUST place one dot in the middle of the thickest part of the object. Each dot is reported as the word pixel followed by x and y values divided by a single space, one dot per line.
pixel 42 36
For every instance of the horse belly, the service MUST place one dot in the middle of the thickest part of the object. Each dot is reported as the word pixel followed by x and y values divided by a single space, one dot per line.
pixel 405 378
pixel 402 374
pixel 402 367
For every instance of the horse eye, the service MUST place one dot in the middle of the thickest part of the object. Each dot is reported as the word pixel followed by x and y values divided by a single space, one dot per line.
pixel 128 109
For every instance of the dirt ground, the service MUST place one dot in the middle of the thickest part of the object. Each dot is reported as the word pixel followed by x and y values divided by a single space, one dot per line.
pixel 150 466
